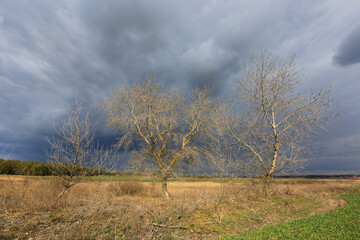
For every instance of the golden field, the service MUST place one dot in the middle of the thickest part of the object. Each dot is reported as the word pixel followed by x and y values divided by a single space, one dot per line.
pixel 137 210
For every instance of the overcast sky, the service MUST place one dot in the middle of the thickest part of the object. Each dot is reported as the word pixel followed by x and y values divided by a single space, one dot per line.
pixel 53 52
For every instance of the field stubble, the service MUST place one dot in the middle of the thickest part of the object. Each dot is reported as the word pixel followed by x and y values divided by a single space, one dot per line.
pixel 136 210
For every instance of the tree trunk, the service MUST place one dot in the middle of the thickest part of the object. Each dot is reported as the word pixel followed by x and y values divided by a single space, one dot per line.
pixel 275 157
pixel 266 183
pixel 61 194
pixel 164 179
pixel 269 174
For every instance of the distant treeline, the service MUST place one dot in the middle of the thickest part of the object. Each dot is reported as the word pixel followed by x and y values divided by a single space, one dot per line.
pixel 17 167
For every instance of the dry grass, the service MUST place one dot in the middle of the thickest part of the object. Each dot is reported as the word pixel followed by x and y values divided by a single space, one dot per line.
pixel 133 210
pixel 28 196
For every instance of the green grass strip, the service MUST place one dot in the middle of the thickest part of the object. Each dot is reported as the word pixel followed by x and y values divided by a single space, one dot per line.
pixel 343 223
pixel 138 178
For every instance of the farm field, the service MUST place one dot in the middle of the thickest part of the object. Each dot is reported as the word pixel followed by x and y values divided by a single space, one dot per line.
pixel 134 208
pixel 342 223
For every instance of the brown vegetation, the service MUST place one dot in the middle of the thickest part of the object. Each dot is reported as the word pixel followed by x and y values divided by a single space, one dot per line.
pixel 134 210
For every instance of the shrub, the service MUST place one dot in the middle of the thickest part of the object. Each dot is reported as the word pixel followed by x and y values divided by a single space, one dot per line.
pixel 127 188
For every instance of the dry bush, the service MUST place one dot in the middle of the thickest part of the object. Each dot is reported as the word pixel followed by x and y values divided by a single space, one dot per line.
pixel 127 188
pixel 246 190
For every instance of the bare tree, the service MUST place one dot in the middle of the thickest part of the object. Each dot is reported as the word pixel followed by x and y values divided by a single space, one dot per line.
pixel 278 124
pixel 103 160
pixel 165 128
pixel 5 151
pixel 5 154
pixel 70 149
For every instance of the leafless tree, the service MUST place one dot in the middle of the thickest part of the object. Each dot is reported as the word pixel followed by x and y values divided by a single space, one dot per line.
pixel 5 151
pixel 278 124
pixel 102 160
pixel 166 129
pixel 70 149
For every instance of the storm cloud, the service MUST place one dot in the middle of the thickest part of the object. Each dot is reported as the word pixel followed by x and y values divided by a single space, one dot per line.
pixel 53 52
pixel 348 52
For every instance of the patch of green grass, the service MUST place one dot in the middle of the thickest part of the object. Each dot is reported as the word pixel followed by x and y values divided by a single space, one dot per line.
pixel 343 223
pixel 112 178
pixel 104 178
pixel 42 177
pixel 14 228
pixel 138 178
pixel 208 179
pixel 57 220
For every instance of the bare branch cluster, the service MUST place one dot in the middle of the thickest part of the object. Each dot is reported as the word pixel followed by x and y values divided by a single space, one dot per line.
pixel 102 160
pixel 5 151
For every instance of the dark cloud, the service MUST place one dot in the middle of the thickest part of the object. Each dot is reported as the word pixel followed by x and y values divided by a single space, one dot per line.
pixel 348 52
pixel 53 52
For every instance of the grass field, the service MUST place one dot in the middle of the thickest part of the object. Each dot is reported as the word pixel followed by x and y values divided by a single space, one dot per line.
pixel 343 223
pixel 129 209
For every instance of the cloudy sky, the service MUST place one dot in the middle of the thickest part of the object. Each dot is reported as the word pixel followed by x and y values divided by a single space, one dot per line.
pixel 53 52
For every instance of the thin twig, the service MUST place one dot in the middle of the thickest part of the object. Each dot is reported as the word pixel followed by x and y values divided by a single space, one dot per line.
pixel 170 227
pixel 257 219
